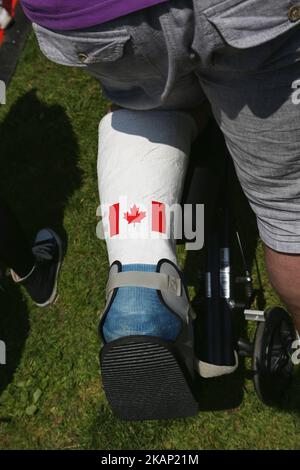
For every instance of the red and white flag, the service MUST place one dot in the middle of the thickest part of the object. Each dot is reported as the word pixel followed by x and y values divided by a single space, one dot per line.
pixel 135 216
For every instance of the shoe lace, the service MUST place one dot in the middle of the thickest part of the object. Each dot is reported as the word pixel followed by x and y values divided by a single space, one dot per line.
pixel 43 252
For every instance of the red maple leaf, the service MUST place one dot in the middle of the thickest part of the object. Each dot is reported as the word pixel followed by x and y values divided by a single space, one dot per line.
pixel 135 215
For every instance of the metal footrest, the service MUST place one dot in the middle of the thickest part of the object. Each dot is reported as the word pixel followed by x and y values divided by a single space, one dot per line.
pixel 254 315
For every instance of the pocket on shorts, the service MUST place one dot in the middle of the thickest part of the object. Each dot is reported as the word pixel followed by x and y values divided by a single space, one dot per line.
pixel 82 49
pixel 243 24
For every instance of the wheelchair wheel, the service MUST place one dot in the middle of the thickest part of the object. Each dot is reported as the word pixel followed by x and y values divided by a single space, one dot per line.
pixel 272 363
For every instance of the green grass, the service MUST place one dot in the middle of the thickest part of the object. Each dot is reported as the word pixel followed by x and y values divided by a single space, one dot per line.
pixel 50 390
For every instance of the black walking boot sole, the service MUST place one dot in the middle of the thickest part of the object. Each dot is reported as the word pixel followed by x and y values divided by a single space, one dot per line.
pixel 144 379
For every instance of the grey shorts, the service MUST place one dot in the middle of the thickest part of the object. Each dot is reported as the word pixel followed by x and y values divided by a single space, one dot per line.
pixel 243 55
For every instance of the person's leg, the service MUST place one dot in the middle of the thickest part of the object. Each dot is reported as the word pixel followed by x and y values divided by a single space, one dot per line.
pixel 35 267
pixel 143 158
pixel 284 275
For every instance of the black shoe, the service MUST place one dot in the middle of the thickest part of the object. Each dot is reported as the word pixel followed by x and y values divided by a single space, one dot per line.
pixel 41 282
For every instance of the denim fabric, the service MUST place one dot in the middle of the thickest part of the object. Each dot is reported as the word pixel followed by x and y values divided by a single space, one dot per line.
pixel 139 311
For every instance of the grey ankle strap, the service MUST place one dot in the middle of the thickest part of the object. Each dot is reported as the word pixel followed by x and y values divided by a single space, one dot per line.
pixel 159 281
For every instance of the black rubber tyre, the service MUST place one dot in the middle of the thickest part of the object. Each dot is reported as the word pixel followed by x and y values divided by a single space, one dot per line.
pixel 271 363
pixel 143 379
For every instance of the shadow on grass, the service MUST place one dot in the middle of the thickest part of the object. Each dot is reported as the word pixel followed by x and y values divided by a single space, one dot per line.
pixel 38 174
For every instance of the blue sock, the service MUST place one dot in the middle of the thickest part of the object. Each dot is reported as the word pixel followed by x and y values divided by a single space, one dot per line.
pixel 139 311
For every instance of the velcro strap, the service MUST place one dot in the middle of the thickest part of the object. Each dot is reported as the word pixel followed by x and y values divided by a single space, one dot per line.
pixel 159 281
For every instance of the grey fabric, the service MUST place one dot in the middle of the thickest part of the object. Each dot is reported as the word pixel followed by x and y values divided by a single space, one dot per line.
pixel 207 370
pixel 243 55
pixel 179 305
pixel 182 306
pixel 150 280
pixel 112 271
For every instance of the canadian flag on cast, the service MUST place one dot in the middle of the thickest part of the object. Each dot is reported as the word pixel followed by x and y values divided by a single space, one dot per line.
pixel 134 216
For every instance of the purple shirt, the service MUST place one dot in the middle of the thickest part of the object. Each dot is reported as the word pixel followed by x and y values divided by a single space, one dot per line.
pixel 77 14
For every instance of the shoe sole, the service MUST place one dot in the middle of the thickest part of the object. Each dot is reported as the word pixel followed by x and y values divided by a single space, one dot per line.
pixel 144 380
pixel 54 296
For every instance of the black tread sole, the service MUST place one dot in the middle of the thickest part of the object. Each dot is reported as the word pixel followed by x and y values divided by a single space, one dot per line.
pixel 144 380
